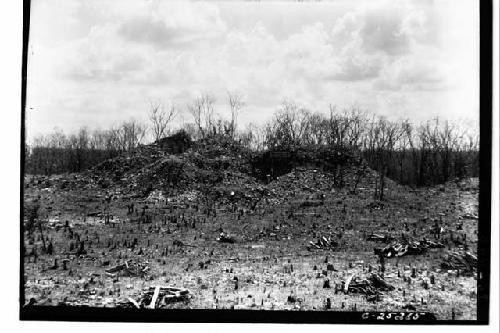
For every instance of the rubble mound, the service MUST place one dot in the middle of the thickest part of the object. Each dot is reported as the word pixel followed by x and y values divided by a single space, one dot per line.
pixel 124 168
pixel 173 166
pixel 222 169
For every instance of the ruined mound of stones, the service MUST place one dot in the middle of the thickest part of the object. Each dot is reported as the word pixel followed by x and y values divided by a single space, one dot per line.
pixel 221 167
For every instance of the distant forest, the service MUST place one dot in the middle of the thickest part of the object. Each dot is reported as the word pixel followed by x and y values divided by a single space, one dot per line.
pixel 428 153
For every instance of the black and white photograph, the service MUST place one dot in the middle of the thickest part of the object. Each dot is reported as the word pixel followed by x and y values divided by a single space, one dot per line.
pixel 256 161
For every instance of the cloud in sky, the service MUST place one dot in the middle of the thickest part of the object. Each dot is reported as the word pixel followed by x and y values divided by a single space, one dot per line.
pixel 96 63
pixel 173 25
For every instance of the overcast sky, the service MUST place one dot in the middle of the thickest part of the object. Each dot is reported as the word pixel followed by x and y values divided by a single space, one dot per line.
pixel 98 62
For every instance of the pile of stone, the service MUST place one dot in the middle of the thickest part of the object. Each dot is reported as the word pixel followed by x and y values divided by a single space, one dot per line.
pixel 128 268
pixel 464 261
pixel 406 247
pixel 371 287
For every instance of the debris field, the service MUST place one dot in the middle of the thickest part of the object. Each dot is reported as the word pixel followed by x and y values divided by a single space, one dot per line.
pixel 198 229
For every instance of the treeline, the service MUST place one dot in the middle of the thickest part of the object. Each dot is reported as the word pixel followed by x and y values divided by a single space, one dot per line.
pixel 429 153
pixel 59 153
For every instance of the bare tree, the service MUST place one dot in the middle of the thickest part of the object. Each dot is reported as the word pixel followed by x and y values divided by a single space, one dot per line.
pixel 316 131
pixel 160 119
pixel 202 109
pixel 130 134
pixel 403 144
pixel 289 126
pixel 82 142
pixel 253 137
pixel 383 136
pixel 346 128
pixel 236 103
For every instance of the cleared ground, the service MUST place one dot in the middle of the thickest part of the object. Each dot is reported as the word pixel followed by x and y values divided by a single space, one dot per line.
pixel 269 266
